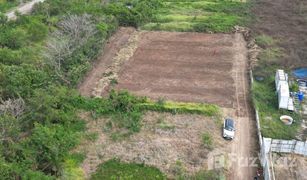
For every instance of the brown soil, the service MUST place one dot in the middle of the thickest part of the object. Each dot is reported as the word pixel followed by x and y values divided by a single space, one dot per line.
pixel 287 166
pixel 182 67
pixel 112 47
pixel 285 20
pixel 196 67
pixel 245 143
pixel 164 140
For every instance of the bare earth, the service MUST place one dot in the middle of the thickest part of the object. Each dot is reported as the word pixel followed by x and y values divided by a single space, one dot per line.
pixel 115 43
pixel 22 9
pixel 190 67
pixel 156 145
pixel 287 166
pixel 182 67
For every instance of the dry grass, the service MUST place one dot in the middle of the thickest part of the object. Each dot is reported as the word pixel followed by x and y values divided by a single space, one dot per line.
pixel 163 141
pixel 111 73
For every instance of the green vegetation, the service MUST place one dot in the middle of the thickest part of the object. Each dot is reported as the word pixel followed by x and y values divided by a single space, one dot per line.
pixel 266 101
pixel 264 93
pixel 270 56
pixel 200 16
pixel 265 41
pixel 181 107
pixel 6 5
pixel 126 111
pixel 43 56
pixel 207 140
pixel 162 124
pixel 114 169
pixel 181 173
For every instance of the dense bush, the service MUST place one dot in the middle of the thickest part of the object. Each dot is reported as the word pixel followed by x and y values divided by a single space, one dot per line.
pixel 114 169
pixel 43 56
pixel 133 13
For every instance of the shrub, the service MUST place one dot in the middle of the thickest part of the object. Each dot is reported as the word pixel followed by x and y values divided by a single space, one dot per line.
pixel 114 169
pixel 49 146
pixel 265 41
pixel 207 140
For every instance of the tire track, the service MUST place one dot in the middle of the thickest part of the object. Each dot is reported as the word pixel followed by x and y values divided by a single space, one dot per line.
pixel 244 142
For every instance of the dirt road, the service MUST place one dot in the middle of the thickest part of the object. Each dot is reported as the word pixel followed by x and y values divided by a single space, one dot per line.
pixel 22 9
pixel 244 147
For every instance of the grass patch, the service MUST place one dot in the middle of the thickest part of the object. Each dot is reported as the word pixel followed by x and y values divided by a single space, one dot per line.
pixel 125 111
pixel 266 101
pixel 265 41
pixel 181 173
pixel 264 92
pixel 270 56
pixel 200 16
pixel 114 169
pixel 6 5
pixel 164 125
pixel 181 107
pixel 207 140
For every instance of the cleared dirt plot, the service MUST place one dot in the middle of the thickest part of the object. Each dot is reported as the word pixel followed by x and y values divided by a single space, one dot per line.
pixel 164 141
pixel 287 166
pixel 188 67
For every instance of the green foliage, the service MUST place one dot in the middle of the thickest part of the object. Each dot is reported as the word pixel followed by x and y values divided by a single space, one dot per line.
pixel 133 13
pixel 264 94
pixel 72 170
pixel 207 140
pixel 20 80
pixel 10 130
pixel 6 5
pixel 6 170
pixel 270 56
pixel 37 145
pixel 114 169
pixel 266 101
pixel 13 38
pixel 37 31
pixel 35 175
pixel 126 111
pixel 208 175
pixel 180 107
pixel 49 145
pixel 122 101
pixel 52 106
pixel 265 41
pixel 294 87
pixel 200 16
pixel 3 19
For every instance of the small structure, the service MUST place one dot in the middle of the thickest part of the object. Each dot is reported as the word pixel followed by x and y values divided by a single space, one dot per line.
pixel 280 78
pixel 282 88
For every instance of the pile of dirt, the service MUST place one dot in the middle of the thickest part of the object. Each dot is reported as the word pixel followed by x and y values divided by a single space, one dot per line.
pixel 111 73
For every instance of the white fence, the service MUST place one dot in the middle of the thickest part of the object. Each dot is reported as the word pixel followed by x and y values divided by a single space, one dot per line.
pixel 268 145
pixel 288 146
